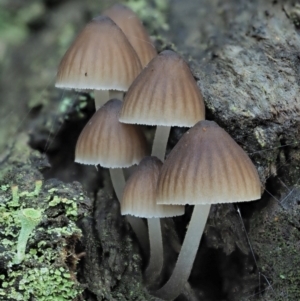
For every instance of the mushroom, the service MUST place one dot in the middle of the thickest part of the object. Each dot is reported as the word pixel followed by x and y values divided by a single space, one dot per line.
pixel 139 199
pixel 164 94
pixel 101 58
pixel 134 30
pixel 205 167
pixel 106 141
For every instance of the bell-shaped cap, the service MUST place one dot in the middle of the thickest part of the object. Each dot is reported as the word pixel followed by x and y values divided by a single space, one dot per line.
pixel 165 93
pixel 106 141
pixel 100 58
pixel 139 195
pixel 134 30
pixel 207 167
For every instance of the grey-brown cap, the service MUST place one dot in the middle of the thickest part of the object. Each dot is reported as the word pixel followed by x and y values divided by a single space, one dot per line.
pixel 139 196
pixel 207 167
pixel 134 30
pixel 100 58
pixel 106 141
pixel 165 93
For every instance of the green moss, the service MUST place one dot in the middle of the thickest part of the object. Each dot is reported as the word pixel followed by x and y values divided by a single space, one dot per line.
pixel 4 187
pixel 42 283
pixel 48 269
pixel 65 104
pixel 153 13
pixel 65 38
pixel 13 24
pixel 12 31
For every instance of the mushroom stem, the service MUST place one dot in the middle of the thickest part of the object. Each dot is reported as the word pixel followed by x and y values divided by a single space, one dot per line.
pixel 116 94
pixel 156 250
pixel 160 142
pixel 101 97
pixel 118 181
pixel 184 264
pixel 139 228
pixel 137 224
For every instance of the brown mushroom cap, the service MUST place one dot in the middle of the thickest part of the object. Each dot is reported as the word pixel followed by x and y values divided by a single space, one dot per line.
pixel 134 30
pixel 106 141
pixel 139 195
pixel 100 58
pixel 207 167
pixel 165 93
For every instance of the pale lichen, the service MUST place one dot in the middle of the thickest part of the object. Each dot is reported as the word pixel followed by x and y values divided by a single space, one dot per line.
pixel 47 269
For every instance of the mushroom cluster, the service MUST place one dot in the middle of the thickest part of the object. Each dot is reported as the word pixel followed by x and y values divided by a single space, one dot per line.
pixel 112 55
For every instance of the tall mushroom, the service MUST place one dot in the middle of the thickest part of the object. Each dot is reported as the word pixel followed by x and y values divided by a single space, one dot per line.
pixel 164 94
pixel 106 141
pixel 205 167
pixel 134 30
pixel 101 58
pixel 139 199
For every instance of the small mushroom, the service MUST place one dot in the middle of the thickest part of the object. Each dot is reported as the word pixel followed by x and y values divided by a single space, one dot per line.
pixel 205 167
pixel 164 94
pixel 101 58
pixel 134 30
pixel 139 199
pixel 109 143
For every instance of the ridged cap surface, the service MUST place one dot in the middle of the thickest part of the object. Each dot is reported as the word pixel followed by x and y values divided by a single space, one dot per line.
pixel 139 196
pixel 106 141
pixel 207 167
pixel 134 30
pixel 165 93
pixel 100 58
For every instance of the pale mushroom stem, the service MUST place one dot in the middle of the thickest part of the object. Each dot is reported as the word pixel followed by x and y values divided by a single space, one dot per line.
pixel 184 264
pixel 116 94
pixel 137 224
pixel 156 250
pixel 160 142
pixel 101 97
pixel 156 245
